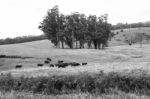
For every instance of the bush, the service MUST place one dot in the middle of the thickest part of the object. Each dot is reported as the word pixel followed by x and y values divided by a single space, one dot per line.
pixel 97 84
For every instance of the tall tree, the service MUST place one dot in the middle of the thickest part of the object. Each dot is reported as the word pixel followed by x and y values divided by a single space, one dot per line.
pixel 50 25
pixel 74 28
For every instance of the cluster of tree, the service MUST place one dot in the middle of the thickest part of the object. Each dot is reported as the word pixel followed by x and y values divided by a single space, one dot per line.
pixel 21 39
pixel 76 30
pixel 132 25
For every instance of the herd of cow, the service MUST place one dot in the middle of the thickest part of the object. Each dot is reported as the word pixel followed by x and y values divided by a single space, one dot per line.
pixel 59 64
pixel 48 61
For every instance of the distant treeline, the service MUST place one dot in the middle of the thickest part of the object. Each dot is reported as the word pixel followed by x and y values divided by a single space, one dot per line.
pixel 21 39
pixel 132 25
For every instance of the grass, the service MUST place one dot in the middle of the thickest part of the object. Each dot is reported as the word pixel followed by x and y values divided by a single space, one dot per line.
pixel 24 95
pixel 117 58
pixel 120 38
pixel 130 64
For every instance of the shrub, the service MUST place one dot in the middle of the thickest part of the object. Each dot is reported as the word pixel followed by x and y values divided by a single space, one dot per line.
pixel 98 83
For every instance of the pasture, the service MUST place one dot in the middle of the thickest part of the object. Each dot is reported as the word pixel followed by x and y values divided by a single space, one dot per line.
pixel 123 59
pixel 127 61
pixel 127 34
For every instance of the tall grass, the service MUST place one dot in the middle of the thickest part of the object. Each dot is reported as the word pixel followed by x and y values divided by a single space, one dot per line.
pixel 84 83
pixel 23 95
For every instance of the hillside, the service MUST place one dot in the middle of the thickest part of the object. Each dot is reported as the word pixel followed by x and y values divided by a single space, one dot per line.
pixel 118 58
pixel 126 34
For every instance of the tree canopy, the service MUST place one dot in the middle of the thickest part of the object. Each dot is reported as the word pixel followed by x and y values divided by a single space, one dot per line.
pixel 76 30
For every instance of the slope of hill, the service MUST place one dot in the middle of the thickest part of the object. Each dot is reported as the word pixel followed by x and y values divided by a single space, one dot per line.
pixel 126 34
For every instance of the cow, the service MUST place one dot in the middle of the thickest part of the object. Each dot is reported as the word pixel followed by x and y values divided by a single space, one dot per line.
pixel 39 65
pixel 49 59
pixel 74 64
pixel 62 65
pixel 46 62
pixel 2 56
pixel 84 63
pixel 51 65
pixel 60 61
pixel 18 66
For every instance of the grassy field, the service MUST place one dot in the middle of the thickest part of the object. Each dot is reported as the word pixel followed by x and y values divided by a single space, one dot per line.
pixel 116 58
pixel 127 34
pixel 126 60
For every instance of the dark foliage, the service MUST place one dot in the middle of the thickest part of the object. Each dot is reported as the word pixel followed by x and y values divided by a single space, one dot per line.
pixel 21 39
pixel 100 83
pixel 132 25
pixel 76 30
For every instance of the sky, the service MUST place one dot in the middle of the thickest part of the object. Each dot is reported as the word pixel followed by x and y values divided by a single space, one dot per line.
pixel 22 17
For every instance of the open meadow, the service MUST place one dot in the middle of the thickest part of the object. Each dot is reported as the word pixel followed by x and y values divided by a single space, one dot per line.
pixel 127 61
pixel 121 35
pixel 123 58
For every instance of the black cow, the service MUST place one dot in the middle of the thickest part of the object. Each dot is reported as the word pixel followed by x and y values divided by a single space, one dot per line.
pixel 2 56
pixel 40 65
pixel 49 59
pixel 46 62
pixel 60 61
pixel 18 66
pixel 84 63
pixel 74 64
pixel 130 44
pixel 51 65
pixel 62 65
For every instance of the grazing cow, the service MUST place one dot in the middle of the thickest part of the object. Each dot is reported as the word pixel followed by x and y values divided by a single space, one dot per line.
pixel 130 44
pixel 84 63
pixel 39 65
pixel 18 66
pixel 46 62
pixel 74 64
pixel 49 59
pixel 2 56
pixel 62 65
pixel 60 61
pixel 51 65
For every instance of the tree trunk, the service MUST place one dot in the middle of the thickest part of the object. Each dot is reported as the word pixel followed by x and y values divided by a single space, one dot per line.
pixel 99 45
pixel 72 39
pixel 80 44
pixel 95 44
pixel 76 44
pixel 88 43
pixel 62 44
